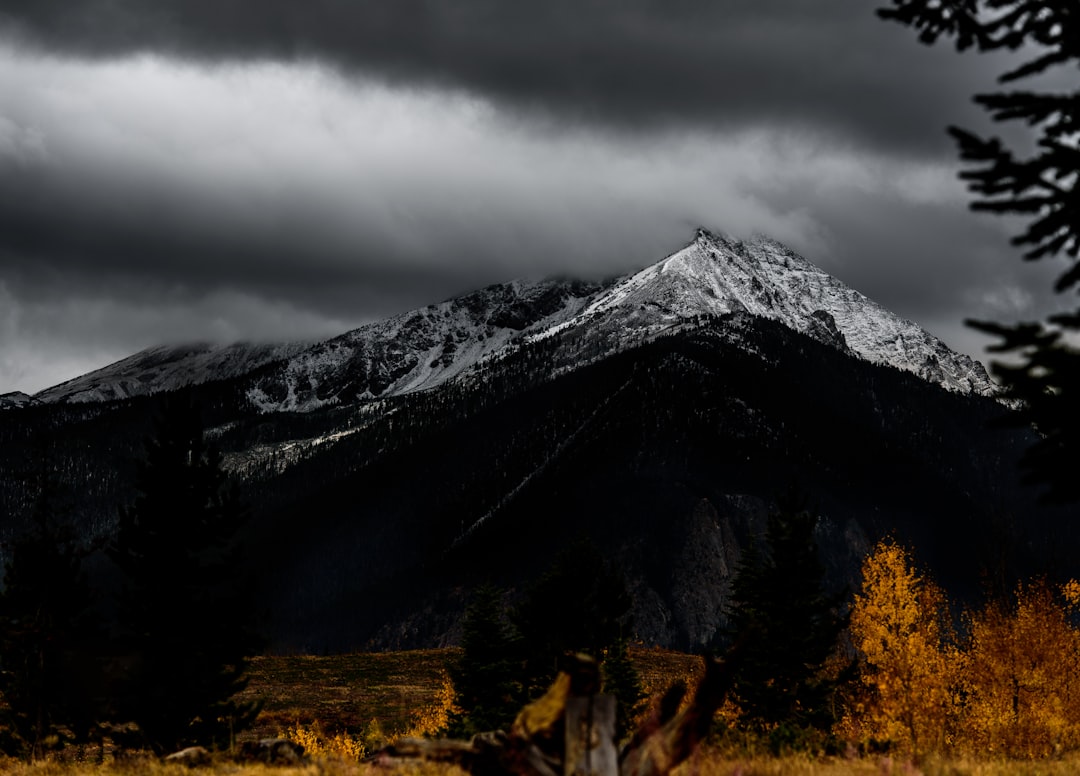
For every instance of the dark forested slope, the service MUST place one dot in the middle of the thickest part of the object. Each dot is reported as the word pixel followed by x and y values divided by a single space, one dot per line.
pixel 372 521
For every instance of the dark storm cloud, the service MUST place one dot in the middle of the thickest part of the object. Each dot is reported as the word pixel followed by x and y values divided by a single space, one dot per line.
pixel 194 169
pixel 631 63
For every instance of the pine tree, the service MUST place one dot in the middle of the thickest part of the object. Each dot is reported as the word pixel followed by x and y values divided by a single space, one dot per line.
pixel 184 618
pixel 580 605
pixel 622 680
pixel 788 624
pixel 487 679
pixel 1044 373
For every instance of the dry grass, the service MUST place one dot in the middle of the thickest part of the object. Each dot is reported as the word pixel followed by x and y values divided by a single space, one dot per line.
pixel 345 693
pixel 708 764
pixel 705 764
pixel 146 767
pixel 658 668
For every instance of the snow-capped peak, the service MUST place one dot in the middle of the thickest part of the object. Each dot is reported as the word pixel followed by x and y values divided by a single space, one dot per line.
pixel 717 275
pixel 713 275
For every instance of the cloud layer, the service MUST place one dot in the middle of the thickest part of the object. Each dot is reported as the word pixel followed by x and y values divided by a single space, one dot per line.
pixel 228 170
pixel 634 62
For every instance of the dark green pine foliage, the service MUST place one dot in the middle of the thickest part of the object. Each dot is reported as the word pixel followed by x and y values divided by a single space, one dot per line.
pixel 622 680
pixel 487 679
pixel 789 626
pixel 1039 185
pixel 185 621
pixel 47 625
pixel 580 605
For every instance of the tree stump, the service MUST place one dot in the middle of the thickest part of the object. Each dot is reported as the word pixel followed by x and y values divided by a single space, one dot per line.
pixel 590 737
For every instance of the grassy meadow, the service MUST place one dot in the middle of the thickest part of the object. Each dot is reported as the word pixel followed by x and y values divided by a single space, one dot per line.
pixel 368 699
pixel 390 693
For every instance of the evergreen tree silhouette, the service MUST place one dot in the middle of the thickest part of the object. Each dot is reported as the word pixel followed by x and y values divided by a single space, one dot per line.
pixel 47 625
pixel 1044 373
pixel 44 623
pixel 622 680
pixel 487 679
pixel 789 626
pixel 580 605
pixel 185 622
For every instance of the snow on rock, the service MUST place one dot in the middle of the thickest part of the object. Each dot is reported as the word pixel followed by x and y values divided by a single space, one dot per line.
pixel 420 349
pixel 718 275
pixel 712 276
pixel 15 400
pixel 166 368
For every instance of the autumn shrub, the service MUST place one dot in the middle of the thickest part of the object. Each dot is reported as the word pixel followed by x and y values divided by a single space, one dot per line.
pixel 434 718
pixel 373 736
pixel 318 743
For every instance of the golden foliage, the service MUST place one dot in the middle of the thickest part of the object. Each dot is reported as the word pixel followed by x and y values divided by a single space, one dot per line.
pixel 899 626
pixel 1011 690
pixel 1070 591
pixel 1021 676
pixel 318 743
pixel 433 718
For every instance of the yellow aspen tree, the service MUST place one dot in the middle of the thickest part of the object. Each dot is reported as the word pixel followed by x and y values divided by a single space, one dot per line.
pixel 900 628
pixel 1021 676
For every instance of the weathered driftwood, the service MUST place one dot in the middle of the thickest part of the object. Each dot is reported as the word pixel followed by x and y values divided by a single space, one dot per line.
pixel 662 743
pixel 589 743
pixel 569 731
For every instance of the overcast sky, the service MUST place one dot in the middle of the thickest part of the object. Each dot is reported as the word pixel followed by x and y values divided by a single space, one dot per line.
pixel 184 170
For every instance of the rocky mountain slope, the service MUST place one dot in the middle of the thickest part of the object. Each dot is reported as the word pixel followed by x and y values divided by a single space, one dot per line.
pixel 417 350
pixel 713 275
pixel 166 368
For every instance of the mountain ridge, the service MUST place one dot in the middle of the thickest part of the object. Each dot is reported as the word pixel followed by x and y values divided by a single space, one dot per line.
pixel 167 367
pixel 716 275
pixel 416 350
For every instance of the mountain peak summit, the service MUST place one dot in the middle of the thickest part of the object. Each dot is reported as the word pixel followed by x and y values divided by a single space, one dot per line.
pixel 717 275
pixel 703 235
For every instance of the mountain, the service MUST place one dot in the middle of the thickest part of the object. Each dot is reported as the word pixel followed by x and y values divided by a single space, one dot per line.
pixel 716 275
pixel 711 276
pixel 659 415
pixel 415 351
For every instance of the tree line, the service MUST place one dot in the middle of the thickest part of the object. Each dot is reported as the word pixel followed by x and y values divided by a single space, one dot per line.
pixel 154 657
pixel 1001 679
